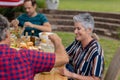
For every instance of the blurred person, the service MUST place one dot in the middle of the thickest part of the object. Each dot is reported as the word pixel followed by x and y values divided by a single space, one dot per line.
pixel 86 59
pixel 23 64
pixel 31 20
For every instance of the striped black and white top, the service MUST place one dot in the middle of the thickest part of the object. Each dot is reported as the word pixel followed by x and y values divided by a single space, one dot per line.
pixel 88 61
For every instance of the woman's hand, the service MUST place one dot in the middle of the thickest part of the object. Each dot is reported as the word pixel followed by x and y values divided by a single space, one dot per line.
pixel 55 39
pixel 65 72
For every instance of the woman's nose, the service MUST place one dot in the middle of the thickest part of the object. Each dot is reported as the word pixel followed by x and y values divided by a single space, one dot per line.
pixel 75 31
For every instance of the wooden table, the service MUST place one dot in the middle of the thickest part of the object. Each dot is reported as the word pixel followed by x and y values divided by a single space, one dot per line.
pixel 52 75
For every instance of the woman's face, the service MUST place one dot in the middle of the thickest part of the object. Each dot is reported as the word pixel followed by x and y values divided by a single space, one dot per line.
pixel 80 32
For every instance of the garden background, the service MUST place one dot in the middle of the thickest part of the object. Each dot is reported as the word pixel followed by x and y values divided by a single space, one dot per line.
pixel 112 6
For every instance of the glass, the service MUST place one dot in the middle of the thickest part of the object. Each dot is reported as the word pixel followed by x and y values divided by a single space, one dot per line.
pixel 47 47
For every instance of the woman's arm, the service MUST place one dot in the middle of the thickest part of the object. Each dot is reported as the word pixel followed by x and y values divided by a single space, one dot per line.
pixel 69 74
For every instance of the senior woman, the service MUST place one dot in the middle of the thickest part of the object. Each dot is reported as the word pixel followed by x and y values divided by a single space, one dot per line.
pixel 86 55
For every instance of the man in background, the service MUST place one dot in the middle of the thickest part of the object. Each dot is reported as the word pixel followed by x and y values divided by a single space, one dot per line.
pixel 31 20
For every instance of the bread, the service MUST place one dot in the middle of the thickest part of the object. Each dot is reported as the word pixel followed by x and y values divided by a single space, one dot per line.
pixel 29 44
pixel 33 48
pixel 23 45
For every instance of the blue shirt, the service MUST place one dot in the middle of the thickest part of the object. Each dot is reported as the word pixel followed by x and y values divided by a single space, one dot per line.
pixel 88 61
pixel 39 19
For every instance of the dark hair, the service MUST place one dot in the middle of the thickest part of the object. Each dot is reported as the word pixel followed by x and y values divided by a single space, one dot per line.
pixel 32 1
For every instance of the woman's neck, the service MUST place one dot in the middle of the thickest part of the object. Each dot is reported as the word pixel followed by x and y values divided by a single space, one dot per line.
pixel 86 41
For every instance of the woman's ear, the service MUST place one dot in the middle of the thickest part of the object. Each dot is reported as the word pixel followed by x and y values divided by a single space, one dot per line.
pixel 89 30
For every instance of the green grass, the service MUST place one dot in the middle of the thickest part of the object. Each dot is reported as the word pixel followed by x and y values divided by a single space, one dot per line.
pixel 106 43
pixel 109 49
pixel 67 37
pixel 91 5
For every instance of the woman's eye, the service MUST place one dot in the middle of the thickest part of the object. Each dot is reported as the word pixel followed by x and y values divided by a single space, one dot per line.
pixel 78 28
pixel 74 28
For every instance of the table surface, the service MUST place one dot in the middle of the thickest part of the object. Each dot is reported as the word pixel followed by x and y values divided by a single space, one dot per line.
pixel 52 75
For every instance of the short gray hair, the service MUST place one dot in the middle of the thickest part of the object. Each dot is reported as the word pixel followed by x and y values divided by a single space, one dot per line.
pixel 4 25
pixel 85 19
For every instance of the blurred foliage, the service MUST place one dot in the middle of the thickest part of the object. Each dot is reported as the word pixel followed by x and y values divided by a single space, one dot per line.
pixel 41 3
pixel 10 12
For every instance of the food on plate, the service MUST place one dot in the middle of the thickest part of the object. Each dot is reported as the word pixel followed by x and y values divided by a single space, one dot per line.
pixel 25 39
pixel 12 40
pixel 33 48
pixel 44 37
pixel 43 41
pixel 29 44
pixel 23 45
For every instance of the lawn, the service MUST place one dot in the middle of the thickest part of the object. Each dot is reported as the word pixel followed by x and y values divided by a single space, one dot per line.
pixel 91 5
pixel 106 43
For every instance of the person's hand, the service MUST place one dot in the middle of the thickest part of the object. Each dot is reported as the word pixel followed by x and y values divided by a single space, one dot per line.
pixel 55 39
pixel 63 71
pixel 28 24
pixel 14 23
pixel 61 55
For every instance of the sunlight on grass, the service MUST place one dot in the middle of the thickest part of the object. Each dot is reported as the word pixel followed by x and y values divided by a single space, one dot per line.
pixel 91 5
pixel 110 46
pixel 67 37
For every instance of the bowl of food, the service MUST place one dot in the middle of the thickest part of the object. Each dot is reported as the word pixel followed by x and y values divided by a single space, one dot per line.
pixel 45 42
pixel 44 36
